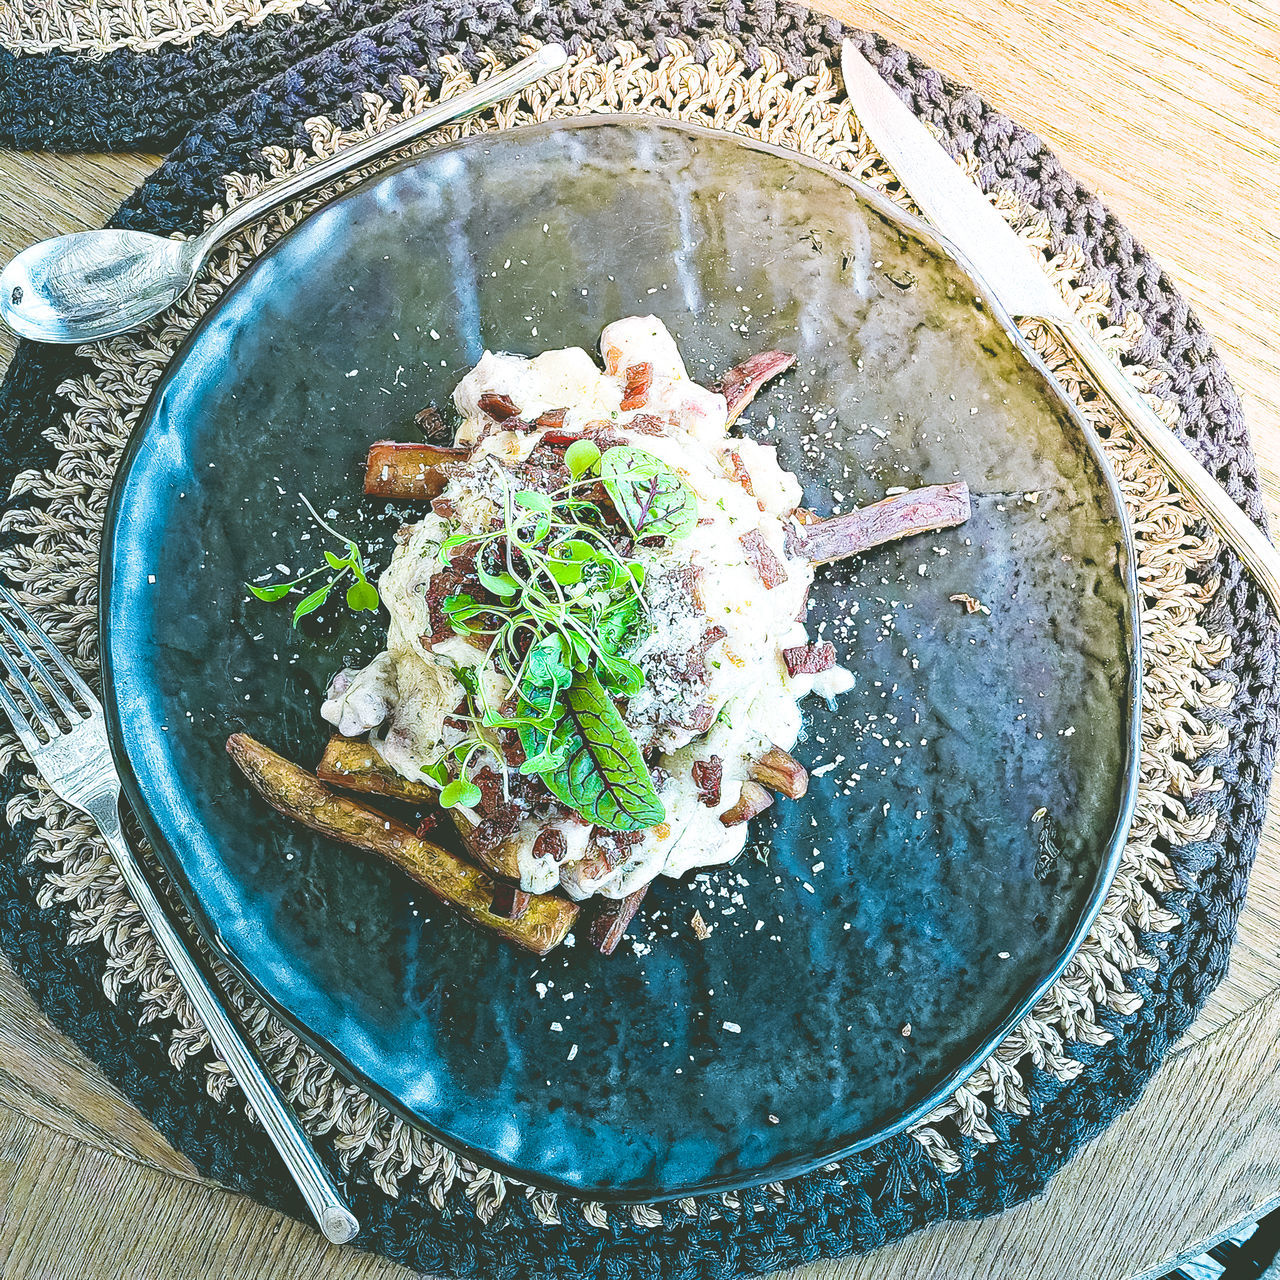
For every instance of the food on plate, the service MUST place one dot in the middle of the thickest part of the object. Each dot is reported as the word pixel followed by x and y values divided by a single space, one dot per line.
pixel 298 795
pixel 596 647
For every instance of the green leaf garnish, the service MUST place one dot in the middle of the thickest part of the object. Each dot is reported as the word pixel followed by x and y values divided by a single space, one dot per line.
pixel 361 594
pixel 545 666
pixel 501 584
pixel 460 793
pixel 437 772
pixel 312 602
pixel 277 592
pixel 653 500
pixel 580 457
pixel 558 597
pixel 601 772
pixel 621 676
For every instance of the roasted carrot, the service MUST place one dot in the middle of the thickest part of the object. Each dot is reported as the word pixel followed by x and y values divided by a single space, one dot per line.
pixel 740 384
pixel 301 796
pixel 408 471
pixel 354 765
pixel 936 506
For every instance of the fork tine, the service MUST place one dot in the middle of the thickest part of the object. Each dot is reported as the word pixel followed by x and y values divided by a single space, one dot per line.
pixel 28 691
pixel 45 676
pixel 75 678
pixel 21 726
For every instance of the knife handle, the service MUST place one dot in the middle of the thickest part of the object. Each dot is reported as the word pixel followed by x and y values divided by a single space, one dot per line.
pixel 1260 558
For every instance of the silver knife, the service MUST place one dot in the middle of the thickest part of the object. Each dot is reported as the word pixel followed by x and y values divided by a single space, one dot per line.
pixel 1006 266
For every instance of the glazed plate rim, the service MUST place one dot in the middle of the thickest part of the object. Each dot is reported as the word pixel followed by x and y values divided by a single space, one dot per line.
pixel 780 1169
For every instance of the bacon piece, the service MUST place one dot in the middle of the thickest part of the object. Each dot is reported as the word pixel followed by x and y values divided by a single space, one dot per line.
pixel 707 777
pixel 501 858
pixel 430 421
pixel 635 391
pixel 444 583
pixel 611 919
pixel 491 833
pixel 427 824
pixel 603 434
pixel 647 425
pixel 809 659
pixel 550 844
pixel 498 406
pixel 560 439
pixel 401 471
pixel 600 433
pixel 509 900
pixel 780 771
pixel 612 358
pixel 753 800
pixel 761 557
pixel 740 384
pixel 700 719
pixel 738 472
pixel 615 846
pixel 551 418
pixel 936 506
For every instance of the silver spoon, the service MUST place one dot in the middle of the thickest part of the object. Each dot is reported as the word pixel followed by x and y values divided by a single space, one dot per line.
pixel 96 284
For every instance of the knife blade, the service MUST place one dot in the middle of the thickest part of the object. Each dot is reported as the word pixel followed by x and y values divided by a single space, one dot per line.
pixel 945 195
pixel 1005 265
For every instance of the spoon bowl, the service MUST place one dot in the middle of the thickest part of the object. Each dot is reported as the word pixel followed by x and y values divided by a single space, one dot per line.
pixel 94 284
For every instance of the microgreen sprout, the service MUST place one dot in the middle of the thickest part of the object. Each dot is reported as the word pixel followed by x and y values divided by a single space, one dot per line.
pixel 361 594
pixel 564 613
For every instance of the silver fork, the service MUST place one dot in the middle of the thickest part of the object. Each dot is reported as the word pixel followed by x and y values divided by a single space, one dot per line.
pixel 76 762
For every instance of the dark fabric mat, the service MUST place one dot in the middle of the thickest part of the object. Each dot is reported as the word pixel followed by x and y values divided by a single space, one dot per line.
pixel 891 1189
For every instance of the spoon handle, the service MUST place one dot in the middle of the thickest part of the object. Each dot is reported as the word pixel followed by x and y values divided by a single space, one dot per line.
pixel 519 76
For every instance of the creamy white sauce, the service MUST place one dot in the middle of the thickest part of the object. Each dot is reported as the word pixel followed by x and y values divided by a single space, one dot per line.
pixel 754 699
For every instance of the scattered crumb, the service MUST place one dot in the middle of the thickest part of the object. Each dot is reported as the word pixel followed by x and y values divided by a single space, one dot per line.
pixel 971 603
pixel 701 929
pixel 1040 815
pixel 906 1030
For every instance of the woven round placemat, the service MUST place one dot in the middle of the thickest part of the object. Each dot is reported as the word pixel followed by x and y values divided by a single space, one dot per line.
pixel 1209 727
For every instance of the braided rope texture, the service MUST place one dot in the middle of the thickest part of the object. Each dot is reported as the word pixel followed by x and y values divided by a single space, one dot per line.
pixel 894 1188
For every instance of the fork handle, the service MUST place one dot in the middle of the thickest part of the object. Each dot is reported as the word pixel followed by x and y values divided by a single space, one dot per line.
pixel 335 1220
pixel 1177 461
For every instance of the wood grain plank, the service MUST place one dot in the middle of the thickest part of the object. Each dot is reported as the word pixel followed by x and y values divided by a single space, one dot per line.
pixel 1167 110
pixel 45 1076
pixel 73 1210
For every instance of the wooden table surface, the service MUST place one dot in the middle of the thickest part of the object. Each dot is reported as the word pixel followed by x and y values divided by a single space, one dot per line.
pixel 1168 109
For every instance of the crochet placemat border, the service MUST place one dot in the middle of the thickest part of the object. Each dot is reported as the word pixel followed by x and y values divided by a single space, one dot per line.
pixel 689 76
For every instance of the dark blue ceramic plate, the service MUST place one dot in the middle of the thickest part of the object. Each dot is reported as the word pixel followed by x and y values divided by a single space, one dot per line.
pixel 912 906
